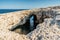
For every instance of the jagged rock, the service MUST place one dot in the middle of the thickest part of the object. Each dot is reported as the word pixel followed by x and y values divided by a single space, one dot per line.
pixel 8 35
pixel 13 19
pixel 10 20
pixel 45 31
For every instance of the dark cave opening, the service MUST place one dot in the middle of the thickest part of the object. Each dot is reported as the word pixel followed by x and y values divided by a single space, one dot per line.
pixel 29 26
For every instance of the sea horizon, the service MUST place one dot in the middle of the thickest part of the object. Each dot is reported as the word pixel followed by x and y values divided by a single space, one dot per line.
pixel 10 10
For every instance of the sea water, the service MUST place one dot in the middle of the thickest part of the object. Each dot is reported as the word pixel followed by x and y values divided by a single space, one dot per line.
pixel 32 22
pixel 10 10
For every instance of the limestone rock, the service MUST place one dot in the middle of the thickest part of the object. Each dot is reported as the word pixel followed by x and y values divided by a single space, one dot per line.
pixel 45 31
pixel 8 35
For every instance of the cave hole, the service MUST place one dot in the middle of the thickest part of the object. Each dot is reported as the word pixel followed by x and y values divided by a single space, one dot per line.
pixel 29 26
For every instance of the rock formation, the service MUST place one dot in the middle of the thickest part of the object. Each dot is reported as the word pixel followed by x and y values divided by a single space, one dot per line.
pixel 44 30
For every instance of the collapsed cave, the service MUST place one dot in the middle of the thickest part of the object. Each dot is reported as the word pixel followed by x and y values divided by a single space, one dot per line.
pixel 30 24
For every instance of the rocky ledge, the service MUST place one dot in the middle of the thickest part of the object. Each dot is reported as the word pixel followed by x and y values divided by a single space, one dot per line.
pixel 45 30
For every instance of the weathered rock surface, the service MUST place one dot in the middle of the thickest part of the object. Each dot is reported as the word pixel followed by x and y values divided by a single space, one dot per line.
pixel 8 35
pixel 44 31
pixel 7 21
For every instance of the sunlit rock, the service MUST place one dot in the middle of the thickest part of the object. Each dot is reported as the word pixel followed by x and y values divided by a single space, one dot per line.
pixel 45 29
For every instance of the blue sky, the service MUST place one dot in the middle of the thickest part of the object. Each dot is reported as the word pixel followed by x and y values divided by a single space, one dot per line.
pixel 27 4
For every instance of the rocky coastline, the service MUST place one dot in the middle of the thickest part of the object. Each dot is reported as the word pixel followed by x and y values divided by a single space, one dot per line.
pixel 45 30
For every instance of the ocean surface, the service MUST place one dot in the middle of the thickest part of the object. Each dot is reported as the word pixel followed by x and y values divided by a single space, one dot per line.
pixel 10 10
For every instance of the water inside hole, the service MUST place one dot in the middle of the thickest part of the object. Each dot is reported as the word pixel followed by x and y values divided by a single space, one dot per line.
pixel 26 28
pixel 32 23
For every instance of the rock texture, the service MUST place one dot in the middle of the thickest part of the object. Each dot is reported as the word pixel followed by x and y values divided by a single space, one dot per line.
pixel 44 31
pixel 7 21
pixel 8 35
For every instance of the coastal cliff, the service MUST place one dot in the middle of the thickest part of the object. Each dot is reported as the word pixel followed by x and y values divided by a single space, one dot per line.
pixel 13 19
